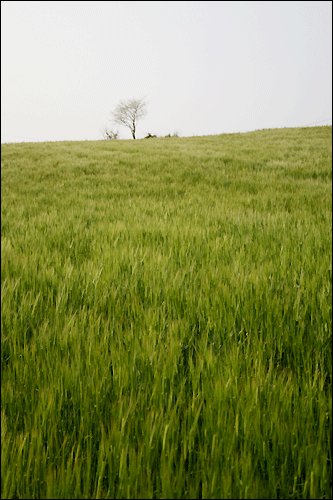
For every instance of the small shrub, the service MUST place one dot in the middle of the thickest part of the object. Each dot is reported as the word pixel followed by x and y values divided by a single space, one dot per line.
pixel 175 134
pixel 109 135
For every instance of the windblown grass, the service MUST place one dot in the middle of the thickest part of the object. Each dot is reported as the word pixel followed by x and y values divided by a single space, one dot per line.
pixel 166 317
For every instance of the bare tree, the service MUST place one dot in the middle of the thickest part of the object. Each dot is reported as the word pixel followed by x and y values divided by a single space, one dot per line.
pixel 127 113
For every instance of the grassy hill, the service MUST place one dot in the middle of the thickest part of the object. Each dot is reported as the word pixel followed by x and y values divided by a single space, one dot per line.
pixel 166 321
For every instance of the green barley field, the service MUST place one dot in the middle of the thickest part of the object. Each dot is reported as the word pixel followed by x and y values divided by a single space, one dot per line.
pixel 166 317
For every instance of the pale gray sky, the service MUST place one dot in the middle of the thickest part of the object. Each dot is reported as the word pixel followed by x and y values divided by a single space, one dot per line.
pixel 205 67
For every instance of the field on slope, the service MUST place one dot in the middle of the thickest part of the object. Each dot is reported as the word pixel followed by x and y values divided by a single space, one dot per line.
pixel 166 317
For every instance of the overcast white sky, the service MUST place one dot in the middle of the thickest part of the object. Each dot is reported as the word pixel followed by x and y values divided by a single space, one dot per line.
pixel 205 67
